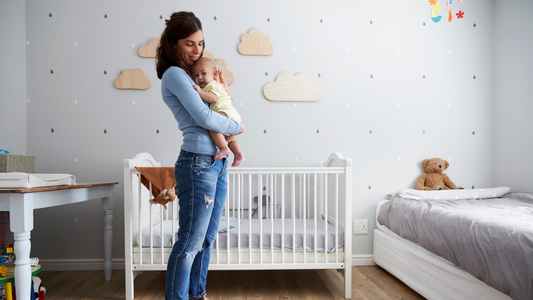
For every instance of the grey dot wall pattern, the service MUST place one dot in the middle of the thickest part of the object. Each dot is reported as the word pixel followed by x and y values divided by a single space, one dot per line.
pixel 389 84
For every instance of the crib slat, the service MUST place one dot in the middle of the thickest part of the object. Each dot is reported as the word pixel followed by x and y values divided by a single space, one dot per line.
pixel 250 217
pixel 162 235
pixel 150 226
pixel 271 219
pixel 293 213
pixel 260 215
pixel 239 215
pixel 316 219
pixel 304 217
pixel 325 189
pixel 282 218
pixel 337 218
pixel 140 221
pixel 174 219
pixel 228 233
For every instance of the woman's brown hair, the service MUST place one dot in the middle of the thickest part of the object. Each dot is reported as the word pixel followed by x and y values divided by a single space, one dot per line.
pixel 181 25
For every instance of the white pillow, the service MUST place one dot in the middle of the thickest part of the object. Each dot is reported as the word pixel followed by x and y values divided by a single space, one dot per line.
pixel 496 192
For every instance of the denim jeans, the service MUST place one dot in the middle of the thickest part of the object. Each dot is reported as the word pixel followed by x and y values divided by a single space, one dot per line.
pixel 201 184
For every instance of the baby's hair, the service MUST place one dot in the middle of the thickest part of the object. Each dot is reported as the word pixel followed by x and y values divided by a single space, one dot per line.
pixel 205 61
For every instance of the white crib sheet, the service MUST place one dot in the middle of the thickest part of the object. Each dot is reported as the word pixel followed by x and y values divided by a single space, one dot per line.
pixel 20 180
pixel 244 235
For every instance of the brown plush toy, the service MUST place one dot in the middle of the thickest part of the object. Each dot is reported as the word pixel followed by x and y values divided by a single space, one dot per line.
pixel 434 179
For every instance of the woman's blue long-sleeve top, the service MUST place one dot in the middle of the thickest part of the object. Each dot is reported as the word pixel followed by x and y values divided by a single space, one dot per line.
pixel 192 113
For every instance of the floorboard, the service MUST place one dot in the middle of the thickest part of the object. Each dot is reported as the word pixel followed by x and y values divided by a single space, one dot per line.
pixel 368 283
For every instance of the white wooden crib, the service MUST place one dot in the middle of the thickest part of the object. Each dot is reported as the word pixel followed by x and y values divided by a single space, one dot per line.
pixel 292 203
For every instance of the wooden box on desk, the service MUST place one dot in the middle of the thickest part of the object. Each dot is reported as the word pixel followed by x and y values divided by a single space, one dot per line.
pixel 17 163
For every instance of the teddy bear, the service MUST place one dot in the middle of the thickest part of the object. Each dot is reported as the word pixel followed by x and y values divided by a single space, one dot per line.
pixel 434 179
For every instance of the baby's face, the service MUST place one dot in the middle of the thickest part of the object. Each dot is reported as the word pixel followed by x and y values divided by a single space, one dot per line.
pixel 203 74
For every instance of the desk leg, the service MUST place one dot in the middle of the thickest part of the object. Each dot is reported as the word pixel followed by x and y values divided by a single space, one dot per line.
pixel 21 210
pixel 107 206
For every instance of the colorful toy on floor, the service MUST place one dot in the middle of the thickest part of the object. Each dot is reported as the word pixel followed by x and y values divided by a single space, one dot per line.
pixel 38 288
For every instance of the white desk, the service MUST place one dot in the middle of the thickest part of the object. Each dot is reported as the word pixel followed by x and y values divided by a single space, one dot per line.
pixel 21 203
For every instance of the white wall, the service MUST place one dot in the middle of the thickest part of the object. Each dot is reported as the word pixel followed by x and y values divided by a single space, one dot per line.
pixel 447 114
pixel 513 95
pixel 13 76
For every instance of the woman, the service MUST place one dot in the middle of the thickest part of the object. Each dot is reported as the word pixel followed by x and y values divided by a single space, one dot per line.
pixel 201 180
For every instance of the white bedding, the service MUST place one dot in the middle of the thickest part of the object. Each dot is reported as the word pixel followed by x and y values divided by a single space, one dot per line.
pixel 496 192
pixel 244 239
pixel 20 180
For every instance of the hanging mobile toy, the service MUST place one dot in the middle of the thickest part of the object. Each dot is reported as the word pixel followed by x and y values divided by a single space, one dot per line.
pixel 434 10
pixel 460 14
pixel 449 7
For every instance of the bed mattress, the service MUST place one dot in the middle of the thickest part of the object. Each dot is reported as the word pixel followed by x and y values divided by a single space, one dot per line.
pixel 490 238
pixel 255 240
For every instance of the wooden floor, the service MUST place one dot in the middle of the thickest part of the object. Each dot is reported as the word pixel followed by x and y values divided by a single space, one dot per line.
pixel 370 282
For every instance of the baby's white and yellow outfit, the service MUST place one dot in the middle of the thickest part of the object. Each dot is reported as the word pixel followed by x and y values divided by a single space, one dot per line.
pixel 224 101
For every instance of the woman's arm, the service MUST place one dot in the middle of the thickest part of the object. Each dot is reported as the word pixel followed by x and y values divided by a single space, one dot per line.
pixel 179 83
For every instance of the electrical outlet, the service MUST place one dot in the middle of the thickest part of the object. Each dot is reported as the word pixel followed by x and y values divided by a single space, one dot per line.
pixel 360 226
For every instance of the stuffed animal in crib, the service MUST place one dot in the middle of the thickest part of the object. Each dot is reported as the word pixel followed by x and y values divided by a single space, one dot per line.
pixel 164 197
pixel 434 179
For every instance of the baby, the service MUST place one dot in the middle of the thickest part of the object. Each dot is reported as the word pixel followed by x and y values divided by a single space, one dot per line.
pixel 204 71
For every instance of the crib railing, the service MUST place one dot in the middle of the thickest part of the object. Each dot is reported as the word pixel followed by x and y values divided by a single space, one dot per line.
pixel 283 195
pixel 318 197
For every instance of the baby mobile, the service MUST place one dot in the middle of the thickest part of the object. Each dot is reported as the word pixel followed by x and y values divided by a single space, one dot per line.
pixel 436 10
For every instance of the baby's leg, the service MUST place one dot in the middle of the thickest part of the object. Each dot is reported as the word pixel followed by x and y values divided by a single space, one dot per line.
pixel 220 141
pixel 235 147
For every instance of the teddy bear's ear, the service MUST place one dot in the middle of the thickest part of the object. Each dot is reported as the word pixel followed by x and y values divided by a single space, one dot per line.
pixel 425 163
pixel 446 164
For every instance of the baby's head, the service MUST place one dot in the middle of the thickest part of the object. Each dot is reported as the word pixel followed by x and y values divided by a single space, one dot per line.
pixel 203 71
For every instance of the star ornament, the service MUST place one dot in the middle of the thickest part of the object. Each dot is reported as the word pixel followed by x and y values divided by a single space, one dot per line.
pixel 460 14
pixel 432 2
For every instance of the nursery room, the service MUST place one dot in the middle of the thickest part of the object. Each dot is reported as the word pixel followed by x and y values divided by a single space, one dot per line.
pixel 350 109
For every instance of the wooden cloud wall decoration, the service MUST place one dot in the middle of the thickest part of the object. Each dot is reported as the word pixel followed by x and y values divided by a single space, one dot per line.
pixel 149 50
pixel 255 43
pixel 292 88
pixel 132 79
pixel 221 65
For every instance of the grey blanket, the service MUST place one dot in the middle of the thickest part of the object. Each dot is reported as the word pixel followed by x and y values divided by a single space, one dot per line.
pixel 492 239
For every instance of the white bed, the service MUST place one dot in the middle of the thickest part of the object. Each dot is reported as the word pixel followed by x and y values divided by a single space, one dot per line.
pixel 425 272
pixel 298 205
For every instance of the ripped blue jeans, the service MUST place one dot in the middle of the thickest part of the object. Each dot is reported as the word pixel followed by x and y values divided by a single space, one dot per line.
pixel 201 184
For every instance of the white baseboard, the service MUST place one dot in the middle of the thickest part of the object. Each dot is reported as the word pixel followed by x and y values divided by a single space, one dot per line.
pixel 363 260
pixel 78 264
pixel 118 264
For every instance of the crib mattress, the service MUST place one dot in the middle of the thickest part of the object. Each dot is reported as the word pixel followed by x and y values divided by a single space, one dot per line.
pixel 20 180
pixel 244 230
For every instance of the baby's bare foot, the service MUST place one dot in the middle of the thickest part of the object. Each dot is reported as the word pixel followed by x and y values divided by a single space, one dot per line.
pixel 223 152
pixel 237 159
